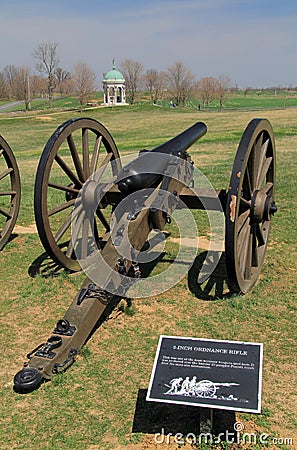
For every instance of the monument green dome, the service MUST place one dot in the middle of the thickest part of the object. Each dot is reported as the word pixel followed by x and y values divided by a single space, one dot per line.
pixel 114 75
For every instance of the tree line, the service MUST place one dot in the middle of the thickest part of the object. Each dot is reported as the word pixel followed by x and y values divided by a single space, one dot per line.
pixel 177 83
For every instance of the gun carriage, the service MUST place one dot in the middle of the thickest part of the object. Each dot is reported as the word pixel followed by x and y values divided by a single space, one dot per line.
pixel 71 188
pixel 10 192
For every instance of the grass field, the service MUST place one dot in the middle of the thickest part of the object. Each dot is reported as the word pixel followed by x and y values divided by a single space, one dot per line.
pixel 256 100
pixel 99 402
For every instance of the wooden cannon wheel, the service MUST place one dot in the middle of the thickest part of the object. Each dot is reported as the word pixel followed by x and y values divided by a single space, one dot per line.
pixel 10 191
pixel 250 205
pixel 73 153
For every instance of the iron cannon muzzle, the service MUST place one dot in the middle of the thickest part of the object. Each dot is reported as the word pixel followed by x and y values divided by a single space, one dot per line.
pixel 150 166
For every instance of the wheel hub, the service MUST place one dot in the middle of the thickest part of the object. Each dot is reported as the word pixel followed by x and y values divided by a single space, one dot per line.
pixel 90 195
pixel 262 207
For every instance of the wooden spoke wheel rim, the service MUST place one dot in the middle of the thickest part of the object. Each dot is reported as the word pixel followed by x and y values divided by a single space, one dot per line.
pixel 73 153
pixel 205 388
pixel 250 205
pixel 10 191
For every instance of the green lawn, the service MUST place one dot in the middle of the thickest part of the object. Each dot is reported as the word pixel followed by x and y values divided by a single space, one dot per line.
pixel 94 404
pixel 251 100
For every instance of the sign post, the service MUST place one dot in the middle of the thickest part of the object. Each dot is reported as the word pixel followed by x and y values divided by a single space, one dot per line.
pixel 207 373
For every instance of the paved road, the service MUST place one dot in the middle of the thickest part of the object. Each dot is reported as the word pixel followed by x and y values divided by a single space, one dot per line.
pixel 10 105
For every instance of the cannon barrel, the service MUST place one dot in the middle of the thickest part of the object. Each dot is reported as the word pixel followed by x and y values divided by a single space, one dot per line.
pixel 147 171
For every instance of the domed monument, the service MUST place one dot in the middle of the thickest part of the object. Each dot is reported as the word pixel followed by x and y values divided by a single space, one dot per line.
pixel 114 87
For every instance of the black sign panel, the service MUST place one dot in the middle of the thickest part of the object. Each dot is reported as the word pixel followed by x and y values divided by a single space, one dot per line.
pixel 209 373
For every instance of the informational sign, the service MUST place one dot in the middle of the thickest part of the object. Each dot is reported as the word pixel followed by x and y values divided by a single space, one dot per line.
pixel 207 373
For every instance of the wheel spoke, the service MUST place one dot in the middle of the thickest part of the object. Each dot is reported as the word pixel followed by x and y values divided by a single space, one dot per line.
pixel 247 263
pixel 69 250
pixel 76 159
pixel 102 219
pixel 257 150
pixel 10 193
pixel 246 204
pixel 242 239
pixel 7 172
pixel 77 210
pixel 251 170
pixel 62 230
pixel 85 151
pixel 79 214
pixel 259 234
pixel 95 155
pixel 242 220
pixel 95 228
pixel 97 175
pixel 61 207
pixel 105 162
pixel 263 172
pixel 254 248
pixel 85 237
pixel 63 188
pixel 68 171
pixel 5 213
pixel 267 188
pixel 261 157
pixel 247 185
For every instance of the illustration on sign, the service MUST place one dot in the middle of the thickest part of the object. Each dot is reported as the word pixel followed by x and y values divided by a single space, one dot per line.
pixel 202 388
pixel 206 372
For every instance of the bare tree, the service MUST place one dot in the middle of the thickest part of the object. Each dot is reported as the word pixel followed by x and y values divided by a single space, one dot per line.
pixel 47 63
pixel 155 82
pixel 247 90
pixel 9 73
pixel 64 81
pixel 206 90
pixel 22 85
pixel 38 86
pixel 181 82
pixel 132 71
pixel 223 89
pixel 17 80
pixel 85 82
pixel 3 86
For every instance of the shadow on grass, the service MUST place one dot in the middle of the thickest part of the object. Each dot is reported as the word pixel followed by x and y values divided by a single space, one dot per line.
pixel 8 239
pixel 154 417
pixel 214 288
pixel 12 237
pixel 216 285
pixel 43 265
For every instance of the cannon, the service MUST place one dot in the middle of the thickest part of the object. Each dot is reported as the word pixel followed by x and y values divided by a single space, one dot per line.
pixel 10 192
pixel 96 214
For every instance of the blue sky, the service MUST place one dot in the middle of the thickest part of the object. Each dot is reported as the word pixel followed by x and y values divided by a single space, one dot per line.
pixel 254 42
